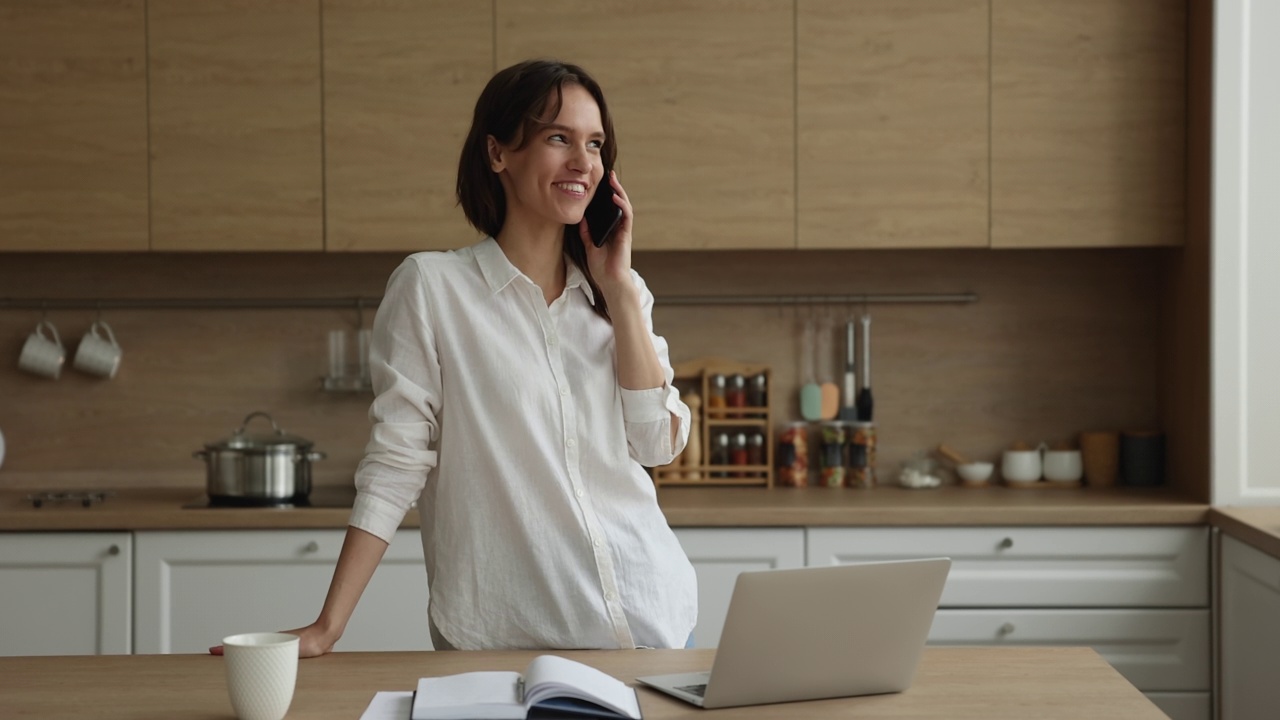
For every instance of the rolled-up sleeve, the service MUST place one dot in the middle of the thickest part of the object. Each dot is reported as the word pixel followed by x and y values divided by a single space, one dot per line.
pixel 405 370
pixel 647 414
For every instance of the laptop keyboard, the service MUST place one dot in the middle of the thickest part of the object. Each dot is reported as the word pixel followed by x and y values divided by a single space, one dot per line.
pixel 699 690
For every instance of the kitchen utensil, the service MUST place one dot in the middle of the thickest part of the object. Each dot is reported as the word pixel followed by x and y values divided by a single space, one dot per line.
pixel 848 410
pixel 262 671
pixel 42 353
pixel 866 405
pixel 1100 452
pixel 1063 466
pixel 1 449
pixel 830 393
pixel 810 391
pixel 974 473
pixel 1023 465
pixel 98 355
pixel 1142 458
pixel 259 469
pixel 952 455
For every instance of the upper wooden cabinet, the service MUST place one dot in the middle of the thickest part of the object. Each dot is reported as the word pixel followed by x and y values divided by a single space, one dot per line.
pixel 892 120
pixel 702 96
pixel 400 80
pixel 73 125
pixel 1088 123
pixel 235 125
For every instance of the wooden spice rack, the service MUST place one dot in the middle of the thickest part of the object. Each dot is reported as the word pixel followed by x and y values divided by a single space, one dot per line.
pixel 694 377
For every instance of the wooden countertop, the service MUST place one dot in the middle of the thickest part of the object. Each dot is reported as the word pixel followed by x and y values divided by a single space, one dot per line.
pixel 952 682
pixel 1256 526
pixel 163 509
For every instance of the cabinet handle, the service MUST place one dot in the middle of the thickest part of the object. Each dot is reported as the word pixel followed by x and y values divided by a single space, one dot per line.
pixel 1006 543
pixel 1005 629
pixel 311 547
pixel 113 550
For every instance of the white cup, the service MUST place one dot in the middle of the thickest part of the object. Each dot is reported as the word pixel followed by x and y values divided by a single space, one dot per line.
pixel 43 354
pixel 98 355
pixel 262 669
pixel 1021 465
pixel 1063 465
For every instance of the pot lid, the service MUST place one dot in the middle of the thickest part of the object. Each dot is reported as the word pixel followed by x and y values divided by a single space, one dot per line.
pixel 244 439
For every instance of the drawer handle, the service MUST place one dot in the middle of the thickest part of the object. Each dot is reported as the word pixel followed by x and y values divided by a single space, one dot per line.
pixel 113 550
pixel 311 547
pixel 1006 543
pixel 1005 629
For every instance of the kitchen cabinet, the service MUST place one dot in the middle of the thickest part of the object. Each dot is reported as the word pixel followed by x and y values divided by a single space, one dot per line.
pixel 701 94
pixel 720 554
pixel 235 121
pixel 73 125
pixel 400 80
pixel 65 593
pixel 1249 617
pixel 892 123
pixel 1137 595
pixel 1088 123
pixel 195 588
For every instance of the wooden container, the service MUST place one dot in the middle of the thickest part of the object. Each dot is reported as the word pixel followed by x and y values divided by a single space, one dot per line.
pixel 695 465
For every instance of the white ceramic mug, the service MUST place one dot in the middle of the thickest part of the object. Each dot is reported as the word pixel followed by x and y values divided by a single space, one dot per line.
pixel 262 669
pixel 98 355
pixel 1022 465
pixel 1063 465
pixel 43 354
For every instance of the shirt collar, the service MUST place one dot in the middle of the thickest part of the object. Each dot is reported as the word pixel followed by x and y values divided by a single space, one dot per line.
pixel 498 271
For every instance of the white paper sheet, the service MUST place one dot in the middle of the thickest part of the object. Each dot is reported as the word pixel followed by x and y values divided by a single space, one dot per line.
pixel 389 706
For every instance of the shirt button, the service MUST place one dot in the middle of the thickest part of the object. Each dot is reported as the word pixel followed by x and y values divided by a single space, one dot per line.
pixel 579 493
pixel 595 543
pixel 608 596
pixel 551 339
pixel 570 442
pixel 564 391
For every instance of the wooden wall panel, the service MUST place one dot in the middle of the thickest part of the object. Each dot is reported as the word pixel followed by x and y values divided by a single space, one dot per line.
pixel 702 95
pixel 235 125
pixel 892 123
pixel 1059 341
pixel 401 78
pixel 73 125
pixel 1088 123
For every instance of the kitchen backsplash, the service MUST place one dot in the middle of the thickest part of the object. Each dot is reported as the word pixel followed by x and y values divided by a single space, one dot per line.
pixel 1059 341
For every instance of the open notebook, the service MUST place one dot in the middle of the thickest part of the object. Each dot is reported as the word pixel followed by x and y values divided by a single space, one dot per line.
pixel 551 686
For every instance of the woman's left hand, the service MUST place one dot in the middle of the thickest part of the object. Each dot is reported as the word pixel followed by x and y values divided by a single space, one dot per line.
pixel 611 264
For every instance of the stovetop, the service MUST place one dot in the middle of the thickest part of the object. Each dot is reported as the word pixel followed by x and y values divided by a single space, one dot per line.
pixel 320 498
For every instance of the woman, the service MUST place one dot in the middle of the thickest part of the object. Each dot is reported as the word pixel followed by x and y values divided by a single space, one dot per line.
pixel 520 389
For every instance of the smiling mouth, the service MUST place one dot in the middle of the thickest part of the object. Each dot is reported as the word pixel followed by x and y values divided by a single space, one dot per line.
pixel 573 188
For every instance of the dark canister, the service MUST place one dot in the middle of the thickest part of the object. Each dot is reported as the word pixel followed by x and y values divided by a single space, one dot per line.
pixel 1142 459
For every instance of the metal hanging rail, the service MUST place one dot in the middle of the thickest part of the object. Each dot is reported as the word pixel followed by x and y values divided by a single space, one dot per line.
pixel 370 302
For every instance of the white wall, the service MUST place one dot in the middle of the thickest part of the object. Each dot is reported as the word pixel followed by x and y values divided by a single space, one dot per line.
pixel 1246 253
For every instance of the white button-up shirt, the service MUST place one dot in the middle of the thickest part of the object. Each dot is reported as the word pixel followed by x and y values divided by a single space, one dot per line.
pixel 502 416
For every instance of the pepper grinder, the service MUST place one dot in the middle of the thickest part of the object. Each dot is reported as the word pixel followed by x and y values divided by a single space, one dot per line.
pixel 692 455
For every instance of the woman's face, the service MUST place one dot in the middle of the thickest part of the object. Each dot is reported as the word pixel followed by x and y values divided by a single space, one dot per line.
pixel 551 179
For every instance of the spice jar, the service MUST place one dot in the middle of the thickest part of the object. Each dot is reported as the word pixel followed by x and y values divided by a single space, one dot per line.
pixel 793 455
pixel 738 455
pixel 756 391
pixel 716 398
pixel 831 455
pixel 736 395
pixel 755 449
pixel 720 454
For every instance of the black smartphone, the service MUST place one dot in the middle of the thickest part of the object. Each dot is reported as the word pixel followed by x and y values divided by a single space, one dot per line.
pixel 602 215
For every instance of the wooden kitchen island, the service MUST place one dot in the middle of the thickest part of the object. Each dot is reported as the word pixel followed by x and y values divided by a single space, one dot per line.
pixel 952 683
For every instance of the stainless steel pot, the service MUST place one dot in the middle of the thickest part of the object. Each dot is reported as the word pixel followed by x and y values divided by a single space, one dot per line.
pixel 259 469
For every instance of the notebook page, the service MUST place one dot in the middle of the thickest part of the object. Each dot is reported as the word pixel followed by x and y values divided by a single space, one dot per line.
pixel 550 675
pixel 492 695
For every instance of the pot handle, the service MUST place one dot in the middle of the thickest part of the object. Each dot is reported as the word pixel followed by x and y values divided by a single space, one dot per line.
pixel 312 456
pixel 259 413
pixel 201 454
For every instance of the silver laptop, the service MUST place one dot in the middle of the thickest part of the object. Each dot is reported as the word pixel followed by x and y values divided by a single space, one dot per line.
pixel 818 633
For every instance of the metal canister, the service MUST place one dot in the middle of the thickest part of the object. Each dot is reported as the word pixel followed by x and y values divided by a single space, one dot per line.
pixel 793 455
pixel 862 455
pixel 831 470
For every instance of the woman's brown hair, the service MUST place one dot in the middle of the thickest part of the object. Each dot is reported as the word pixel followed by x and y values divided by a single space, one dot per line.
pixel 517 102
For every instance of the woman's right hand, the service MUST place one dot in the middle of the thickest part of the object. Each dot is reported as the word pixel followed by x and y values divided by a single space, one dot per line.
pixel 313 641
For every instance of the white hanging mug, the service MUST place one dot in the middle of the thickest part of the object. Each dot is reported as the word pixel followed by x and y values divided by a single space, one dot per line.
pixel 43 354
pixel 98 355
pixel 1023 465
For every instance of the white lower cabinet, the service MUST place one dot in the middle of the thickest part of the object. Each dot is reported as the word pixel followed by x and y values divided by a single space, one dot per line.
pixel 1137 595
pixel 1249 620
pixel 720 554
pixel 65 593
pixel 194 588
